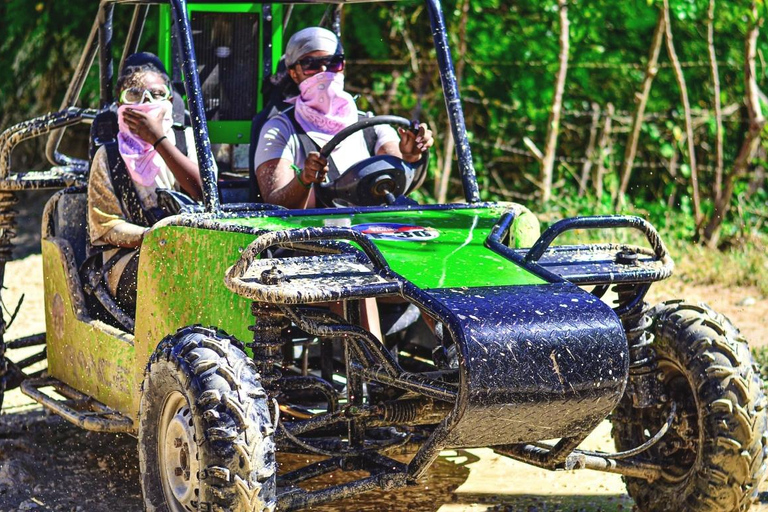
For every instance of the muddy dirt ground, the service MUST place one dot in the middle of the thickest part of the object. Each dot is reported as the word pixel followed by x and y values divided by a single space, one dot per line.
pixel 49 464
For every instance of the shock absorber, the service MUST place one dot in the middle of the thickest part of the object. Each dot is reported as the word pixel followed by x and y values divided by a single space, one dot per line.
pixel 268 339
pixel 7 231
pixel 643 375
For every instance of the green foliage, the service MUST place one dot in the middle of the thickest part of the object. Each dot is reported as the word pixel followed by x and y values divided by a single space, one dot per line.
pixel 40 43
pixel 506 54
pixel 761 358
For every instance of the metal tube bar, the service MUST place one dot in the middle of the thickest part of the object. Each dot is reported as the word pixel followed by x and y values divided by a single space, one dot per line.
pixel 374 353
pixel 29 361
pixel 638 449
pixel 293 236
pixel 27 341
pixel 307 383
pixel 106 66
pixel 408 381
pixel 188 64
pixel 564 447
pixel 302 499
pixel 298 428
pixel 634 469
pixel 266 52
pixel 135 30
pixel 96 420
pixel 73 92
pixel 336 20
pixel 453 101
pixel 25 130
pixel 309 472
pixel 538 456
pixel 598 222
pixel 354 382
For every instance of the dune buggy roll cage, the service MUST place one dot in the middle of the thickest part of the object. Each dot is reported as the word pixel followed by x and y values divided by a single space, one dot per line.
pixel 69 171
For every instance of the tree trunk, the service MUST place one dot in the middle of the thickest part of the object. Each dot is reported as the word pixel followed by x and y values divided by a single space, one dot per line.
pixel 553 127
pixel 604 150
pixel 752 137
pixel 718 191
pixel 441 192
pixel 687 111
pixel 589 159
pixel 642 100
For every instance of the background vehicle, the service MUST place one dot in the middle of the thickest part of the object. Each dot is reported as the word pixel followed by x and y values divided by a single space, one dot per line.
pixel 494 340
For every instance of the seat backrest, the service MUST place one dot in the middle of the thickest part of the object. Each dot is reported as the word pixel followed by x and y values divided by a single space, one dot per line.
pixel 103 129
pixel 70 221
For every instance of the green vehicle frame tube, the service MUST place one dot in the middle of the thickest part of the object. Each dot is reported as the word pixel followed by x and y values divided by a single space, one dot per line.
pixel 196 106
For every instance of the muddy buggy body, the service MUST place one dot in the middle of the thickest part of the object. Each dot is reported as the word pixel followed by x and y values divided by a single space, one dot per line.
pixel 494 337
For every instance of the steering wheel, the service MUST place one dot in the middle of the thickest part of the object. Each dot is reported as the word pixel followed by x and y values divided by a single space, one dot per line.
pixel 373 181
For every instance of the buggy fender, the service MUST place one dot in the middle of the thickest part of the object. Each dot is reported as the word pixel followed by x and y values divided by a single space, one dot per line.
pixel 537 362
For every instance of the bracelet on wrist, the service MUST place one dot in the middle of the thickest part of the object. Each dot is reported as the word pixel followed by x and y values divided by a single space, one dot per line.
pixel 158 141
pixel 297 170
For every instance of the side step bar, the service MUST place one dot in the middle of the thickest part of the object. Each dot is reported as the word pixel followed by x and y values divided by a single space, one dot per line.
pixel 77 408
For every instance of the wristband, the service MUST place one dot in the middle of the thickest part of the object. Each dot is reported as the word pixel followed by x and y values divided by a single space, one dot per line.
pixel 297 170
pixel 158 141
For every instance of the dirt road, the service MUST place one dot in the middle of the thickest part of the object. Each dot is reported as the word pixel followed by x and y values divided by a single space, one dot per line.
pixel 48 464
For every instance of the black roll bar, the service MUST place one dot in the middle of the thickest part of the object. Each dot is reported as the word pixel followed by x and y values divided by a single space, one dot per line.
pixel 453 101
pixel 106 67
pixel 196 106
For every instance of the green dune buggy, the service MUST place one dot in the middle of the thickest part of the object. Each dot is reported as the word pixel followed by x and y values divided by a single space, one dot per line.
pixel 493 336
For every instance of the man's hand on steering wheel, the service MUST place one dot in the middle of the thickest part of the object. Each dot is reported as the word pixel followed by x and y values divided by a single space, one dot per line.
pixel 412 145
pixel 315 168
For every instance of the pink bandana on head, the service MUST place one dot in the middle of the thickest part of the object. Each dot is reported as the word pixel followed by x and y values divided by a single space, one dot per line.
pixel 324 107
pixel 141 159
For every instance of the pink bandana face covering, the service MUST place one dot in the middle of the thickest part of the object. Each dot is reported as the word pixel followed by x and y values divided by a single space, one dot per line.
pixel 141 159
pixel 324 106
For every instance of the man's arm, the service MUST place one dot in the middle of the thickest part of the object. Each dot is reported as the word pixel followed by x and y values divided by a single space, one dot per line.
pixel 105 217
pixel 411 145
pixel 281 184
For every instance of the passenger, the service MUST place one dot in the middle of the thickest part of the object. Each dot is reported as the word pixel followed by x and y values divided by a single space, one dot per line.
pixel 146 152
pixel 315 62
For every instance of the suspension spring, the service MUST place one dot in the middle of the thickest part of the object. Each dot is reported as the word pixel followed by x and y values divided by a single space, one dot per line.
pixel 400 412
pixel 644 385
pixel 7 232
pixel 268 339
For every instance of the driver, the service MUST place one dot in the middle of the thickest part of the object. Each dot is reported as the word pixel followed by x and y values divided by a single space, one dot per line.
pixel 284 169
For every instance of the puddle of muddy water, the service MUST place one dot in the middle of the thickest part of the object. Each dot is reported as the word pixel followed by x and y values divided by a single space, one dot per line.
pixel 64 467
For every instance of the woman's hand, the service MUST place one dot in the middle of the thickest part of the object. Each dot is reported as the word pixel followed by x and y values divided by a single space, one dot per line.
pixel 147 126
pixel 315 168
pixel 413 145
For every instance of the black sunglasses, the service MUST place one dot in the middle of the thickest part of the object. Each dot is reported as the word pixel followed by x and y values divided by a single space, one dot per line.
pixel 332 63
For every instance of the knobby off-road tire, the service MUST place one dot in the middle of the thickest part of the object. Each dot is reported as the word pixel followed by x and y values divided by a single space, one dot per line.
pixel 205 436
pixel 715 452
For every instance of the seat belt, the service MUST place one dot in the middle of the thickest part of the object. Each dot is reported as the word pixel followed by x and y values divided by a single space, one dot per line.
pixel 308 144
pixel 124 189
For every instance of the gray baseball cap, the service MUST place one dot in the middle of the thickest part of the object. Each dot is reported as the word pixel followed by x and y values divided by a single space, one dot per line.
pixel 309 40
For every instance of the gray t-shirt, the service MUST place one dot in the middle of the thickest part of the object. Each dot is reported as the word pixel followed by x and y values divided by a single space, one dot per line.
pixel 278 139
